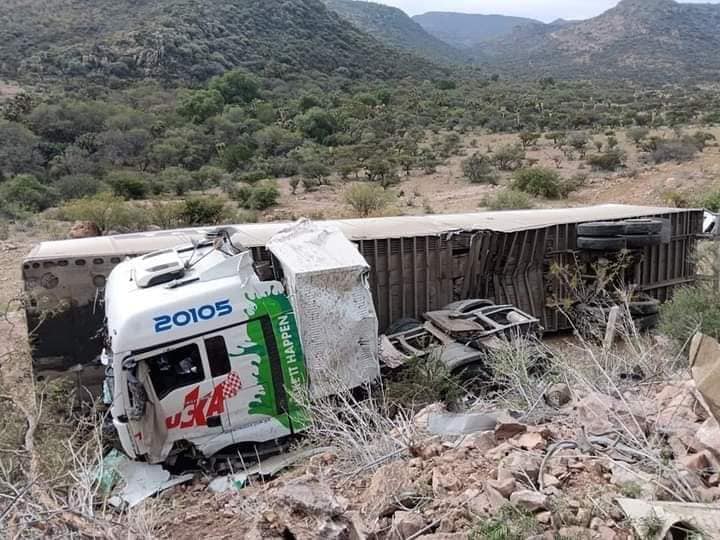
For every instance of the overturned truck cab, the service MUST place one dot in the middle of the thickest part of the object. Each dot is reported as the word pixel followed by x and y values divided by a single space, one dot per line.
pixel 203 354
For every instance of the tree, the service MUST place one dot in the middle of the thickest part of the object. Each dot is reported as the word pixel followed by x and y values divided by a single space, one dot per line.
pixel 540 182
pixel 236 86
pixel 199 105
pixel 207 176
pixel 381 171
pixel 26 192
pixel 366 198
pixel 18 149
pixel 479 170
pixel 276 141
pixel 528 138
pixel 509 157
pixel 315 170
pixel 608 161
pixel 107 211
pixel 317 124
pixel 128 185
pixel 579 142
pixel 208 210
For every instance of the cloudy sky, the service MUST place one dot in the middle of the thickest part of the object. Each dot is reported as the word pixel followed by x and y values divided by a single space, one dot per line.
pixel 545 10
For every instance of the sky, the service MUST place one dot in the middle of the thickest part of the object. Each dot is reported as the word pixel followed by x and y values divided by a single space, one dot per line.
pixel 544 10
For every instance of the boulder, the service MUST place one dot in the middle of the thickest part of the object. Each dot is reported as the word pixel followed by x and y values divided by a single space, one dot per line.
pixel 528 500
pixel 391 487
pixel 84 229
pixel 507 428
pixel 531 441
pixel 699 463
pixel 522 466
pixel 406 524
pixel 505 486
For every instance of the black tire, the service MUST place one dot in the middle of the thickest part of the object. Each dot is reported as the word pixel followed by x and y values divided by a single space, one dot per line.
pixel 403 325
pixel 466 306
pixel 601 229
pixel 648 322
pixel 601 244
pixel 643 226
pixel 643 241
pixel 642 308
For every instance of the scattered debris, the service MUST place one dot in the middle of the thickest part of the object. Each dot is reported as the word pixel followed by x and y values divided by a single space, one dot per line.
pixel 444 423
pixel 658 520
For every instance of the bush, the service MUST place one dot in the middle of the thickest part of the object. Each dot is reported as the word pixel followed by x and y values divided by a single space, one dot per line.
pixel 509 157
pixel 166 215
pixel 26 192
pixel 128 185
pixel 692 309
pixel 106 210
pixel 78 186
pixel 258 197
pixel 607 161
pixel 208 210
pixel 509 199
pixel 709 201
pixel 540 182
pixel 674 151
pixel 367 198
pixel 479 170
pixel 638 134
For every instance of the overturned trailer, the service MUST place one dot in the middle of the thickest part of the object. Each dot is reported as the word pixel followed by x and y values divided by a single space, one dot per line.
pixel 418 264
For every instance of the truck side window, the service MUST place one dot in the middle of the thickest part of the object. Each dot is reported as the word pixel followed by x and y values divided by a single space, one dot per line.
pixel 174 369
pixel 217 356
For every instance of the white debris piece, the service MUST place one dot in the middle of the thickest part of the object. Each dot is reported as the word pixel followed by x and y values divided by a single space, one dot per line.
pixel 679 520
pixel 142 480
pixel 327 282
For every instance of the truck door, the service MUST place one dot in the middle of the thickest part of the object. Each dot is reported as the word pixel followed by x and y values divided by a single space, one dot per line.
pixel 254 376
pixel 183 392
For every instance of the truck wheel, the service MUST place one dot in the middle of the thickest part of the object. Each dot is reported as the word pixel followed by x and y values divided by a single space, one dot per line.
pixel 647 323
pixel 601 244
pixel 641 241
pixel 403 325
pixel 641 308
pixel 466 306
pixel 643 226
pixel 601 229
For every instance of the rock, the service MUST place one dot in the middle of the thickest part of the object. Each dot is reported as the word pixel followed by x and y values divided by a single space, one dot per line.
pixel 496 500
pixel 430 451
pixel 308 497
pixel 499 451
pixel 529 500
pixel 708 435
pixel 406 524
pixel 480 504
pixel 443 536
pixel 531 441
pixel 390 487
pixel 576 533
pixel 507 427
pixel 505 486
pixel 544 517
pixel 596 523
pixel 483 441
pixel 84 229
pixel 523 466
pixel 423 415
pixel 708 494
pixel 550 481
pixel 606 533
pixel 699 463
pixel 558 395
pixel 444 481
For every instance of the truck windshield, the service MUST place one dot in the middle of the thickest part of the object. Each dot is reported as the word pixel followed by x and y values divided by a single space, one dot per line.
pixel 175 369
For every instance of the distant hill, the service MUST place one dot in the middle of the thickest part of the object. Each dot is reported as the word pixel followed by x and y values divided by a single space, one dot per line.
pixel 395 28
pixel 648 40
pixel 189 40
pixel 466 30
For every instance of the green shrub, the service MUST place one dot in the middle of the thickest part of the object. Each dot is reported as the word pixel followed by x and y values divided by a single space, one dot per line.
pixel 106 210
pixel 540 182
pixel 509 157
pixel 692 309
pixel 638 134
pixel 607 161
pixel 422 381
pixel 709 201
pixel 208 210
pixel 166 215
pixel 128 185
pixel 509 199
pixel 479 170
pixel 78 186
pixel 674 151
pixel 257 197
pixel 25 192
pixel 367 198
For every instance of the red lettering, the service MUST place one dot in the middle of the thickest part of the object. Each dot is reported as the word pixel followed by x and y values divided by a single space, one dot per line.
pixel 171 422
pixel 217 403
pixel 197 417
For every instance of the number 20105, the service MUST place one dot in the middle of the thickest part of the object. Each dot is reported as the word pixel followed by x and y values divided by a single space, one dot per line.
pixel 164 323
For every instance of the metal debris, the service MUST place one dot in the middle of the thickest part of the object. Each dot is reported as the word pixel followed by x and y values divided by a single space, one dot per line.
pixel 659 520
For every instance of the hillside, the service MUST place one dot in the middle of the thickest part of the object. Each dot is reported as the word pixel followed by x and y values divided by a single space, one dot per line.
pixel 647 40
pixel 466 30
pixel 394 28
pixel 189 40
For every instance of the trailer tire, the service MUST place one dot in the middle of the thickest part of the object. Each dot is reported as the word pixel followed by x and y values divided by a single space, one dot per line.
pixel 641 308
pixel 643 324
pixel 643 226
pixel 601 229
pixel 466 306
pixel 601 244
pixel 643 241
pixel 403 325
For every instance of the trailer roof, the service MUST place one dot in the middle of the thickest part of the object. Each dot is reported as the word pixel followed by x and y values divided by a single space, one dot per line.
pixel 258 234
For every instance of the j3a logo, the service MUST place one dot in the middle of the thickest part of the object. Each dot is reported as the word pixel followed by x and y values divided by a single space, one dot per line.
pixel 197 409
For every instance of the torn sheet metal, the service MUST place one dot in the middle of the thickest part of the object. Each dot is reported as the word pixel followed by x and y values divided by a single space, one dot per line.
pixel 326 279
pixel 137 481
pixel 443 423
pixel 268 467
pixel 705 365
pixel 660 520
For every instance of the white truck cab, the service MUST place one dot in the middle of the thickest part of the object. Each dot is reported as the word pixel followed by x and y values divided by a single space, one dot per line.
pixel 201 352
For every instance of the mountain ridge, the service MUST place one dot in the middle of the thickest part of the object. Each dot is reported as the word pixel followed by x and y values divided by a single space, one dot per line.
pixel 465 30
